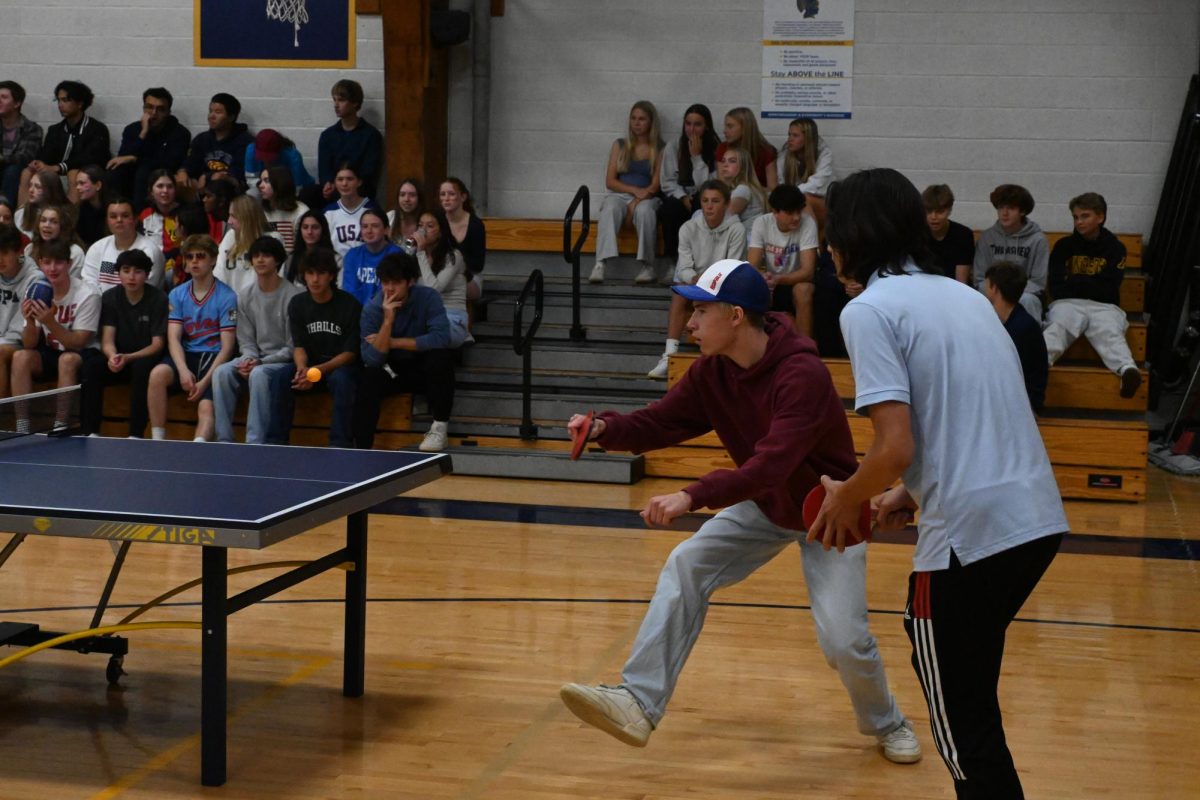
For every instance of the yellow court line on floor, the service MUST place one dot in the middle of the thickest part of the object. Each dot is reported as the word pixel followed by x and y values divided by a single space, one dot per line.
pixel 552 710
pixel 165 758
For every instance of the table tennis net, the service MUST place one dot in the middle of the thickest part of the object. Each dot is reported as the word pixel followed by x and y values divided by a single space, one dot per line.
pixel 55 411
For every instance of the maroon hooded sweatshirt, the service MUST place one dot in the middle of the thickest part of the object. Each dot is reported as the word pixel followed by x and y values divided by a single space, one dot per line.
pixel 781 421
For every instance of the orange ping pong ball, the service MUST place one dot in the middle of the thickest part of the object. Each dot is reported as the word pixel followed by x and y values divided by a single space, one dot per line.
pixel 313 374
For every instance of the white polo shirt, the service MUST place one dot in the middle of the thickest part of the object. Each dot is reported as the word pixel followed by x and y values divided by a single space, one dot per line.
pixel 980 471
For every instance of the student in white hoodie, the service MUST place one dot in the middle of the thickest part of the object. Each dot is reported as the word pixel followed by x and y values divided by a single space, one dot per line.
pixel 704 239
pixel 1017 239
pixel 687 162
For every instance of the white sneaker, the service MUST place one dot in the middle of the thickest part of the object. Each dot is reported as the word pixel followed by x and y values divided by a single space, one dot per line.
pixel 612 710
pixel 435 440
pixel 660 369
pixel 597 275
pixel 901 745
pixel 646 275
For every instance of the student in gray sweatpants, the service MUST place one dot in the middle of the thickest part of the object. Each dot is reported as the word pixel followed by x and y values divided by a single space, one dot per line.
pixel 766 393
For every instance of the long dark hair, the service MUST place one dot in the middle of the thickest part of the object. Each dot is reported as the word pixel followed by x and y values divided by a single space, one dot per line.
pixel 708 147
pixel 875 220
pixel 283 189
pixel 445 246
pixel 300 246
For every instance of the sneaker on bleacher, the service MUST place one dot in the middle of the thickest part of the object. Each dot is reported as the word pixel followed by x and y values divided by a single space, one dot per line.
pixel 597 275
pixel 660 369
pixel 646 275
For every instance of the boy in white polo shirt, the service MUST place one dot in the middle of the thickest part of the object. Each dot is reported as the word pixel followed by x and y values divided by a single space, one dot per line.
pixel 938 376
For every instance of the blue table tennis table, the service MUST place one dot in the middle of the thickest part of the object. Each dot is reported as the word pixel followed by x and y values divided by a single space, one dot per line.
pixel 214 497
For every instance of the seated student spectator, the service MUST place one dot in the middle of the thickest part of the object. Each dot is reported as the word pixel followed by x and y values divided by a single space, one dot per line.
pixel 16 273
pixel 1004 283
pixel 313 232
pixel 100 265
pixel 56 223
pixel 741 130
pixel 1017 239
pixel 358 267
pixel 20 138
pixel 466 227
pixel 631 178
pixel 265 341
pixel 201 336
pixel 783 246
pixel 748 198
pixel 59 338
pixel 75 142
pixel 443 268
pixel 156 141
pixel 91 223
pixel 159 221
pixel 806 163
pixel 6 215
pixel 344 216
pixel 247 223
pixel 404 219
pixel 405 348
pixel 952 243
pixel 350 140
pixel 220 150
pixel 217 198
pixel 271 148
pixel 45 189
pixel 1086 270
pixel 133 334
pixel 830 296
pixel 703 240
pixel 279 203
pixel 325 335
pixel 687 163
pixel 191 219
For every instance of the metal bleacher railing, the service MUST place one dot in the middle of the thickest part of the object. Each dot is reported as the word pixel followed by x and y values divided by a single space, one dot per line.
pixel 571 253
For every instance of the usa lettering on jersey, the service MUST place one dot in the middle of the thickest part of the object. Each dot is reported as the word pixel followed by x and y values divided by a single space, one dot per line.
pixel 348 233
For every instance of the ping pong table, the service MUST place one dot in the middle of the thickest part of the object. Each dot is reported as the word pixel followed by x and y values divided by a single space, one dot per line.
pixel 214 497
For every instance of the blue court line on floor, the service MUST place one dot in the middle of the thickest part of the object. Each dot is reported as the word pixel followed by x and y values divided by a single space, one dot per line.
pixel 603 601
pixel 489 511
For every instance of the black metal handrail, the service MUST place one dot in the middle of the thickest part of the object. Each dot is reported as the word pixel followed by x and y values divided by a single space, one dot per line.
pixel 571 254
pixel 523 346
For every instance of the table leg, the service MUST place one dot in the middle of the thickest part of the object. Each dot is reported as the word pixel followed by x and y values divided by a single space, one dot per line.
pixel 354 658
pixel 213 658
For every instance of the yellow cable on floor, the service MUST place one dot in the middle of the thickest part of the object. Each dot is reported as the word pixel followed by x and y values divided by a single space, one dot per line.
pixel 104 630
pixel 162 598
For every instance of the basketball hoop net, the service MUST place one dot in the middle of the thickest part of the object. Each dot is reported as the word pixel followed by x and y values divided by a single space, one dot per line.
pixel 292 11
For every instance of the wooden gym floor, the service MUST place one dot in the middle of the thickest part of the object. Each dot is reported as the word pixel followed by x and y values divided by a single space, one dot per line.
pixel 488 594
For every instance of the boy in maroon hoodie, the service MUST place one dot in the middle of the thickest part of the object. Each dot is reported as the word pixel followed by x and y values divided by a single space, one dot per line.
pixel 770 399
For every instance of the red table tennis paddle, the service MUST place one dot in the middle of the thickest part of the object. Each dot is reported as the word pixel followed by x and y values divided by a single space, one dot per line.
pixel 581 439
pixel 812 507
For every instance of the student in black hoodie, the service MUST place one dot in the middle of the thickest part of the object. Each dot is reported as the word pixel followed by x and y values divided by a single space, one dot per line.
pixel 1086 270
pixel 219 150
pixel 75 142
pixel 156 141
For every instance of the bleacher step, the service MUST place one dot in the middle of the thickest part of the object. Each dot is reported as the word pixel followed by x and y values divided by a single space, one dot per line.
pixel 546 465
pixel 475 403
pixel 592 357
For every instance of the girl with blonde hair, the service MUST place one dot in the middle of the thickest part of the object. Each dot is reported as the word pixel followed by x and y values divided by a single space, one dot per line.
pixel 632 179
pixel 247 222
pixel 806 163
pixel 741 130
pixel 747 198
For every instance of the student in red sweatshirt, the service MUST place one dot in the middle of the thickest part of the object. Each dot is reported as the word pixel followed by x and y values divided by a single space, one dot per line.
pixel 770 399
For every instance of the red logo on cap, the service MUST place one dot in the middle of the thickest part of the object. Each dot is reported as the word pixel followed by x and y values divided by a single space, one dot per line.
pixel 715 281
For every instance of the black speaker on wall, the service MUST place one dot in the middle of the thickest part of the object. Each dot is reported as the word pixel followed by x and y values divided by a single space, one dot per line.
pixel 448 28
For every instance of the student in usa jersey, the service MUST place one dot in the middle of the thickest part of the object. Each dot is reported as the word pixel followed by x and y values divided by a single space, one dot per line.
pixel 201 336
pixel 345 215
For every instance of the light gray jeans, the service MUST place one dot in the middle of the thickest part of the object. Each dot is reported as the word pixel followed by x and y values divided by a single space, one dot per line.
pixel 727 549
pixel 612 216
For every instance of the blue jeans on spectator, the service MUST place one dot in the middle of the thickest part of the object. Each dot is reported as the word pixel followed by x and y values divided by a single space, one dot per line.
pixel 10 182
pixel 270 389
pixel 342 383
